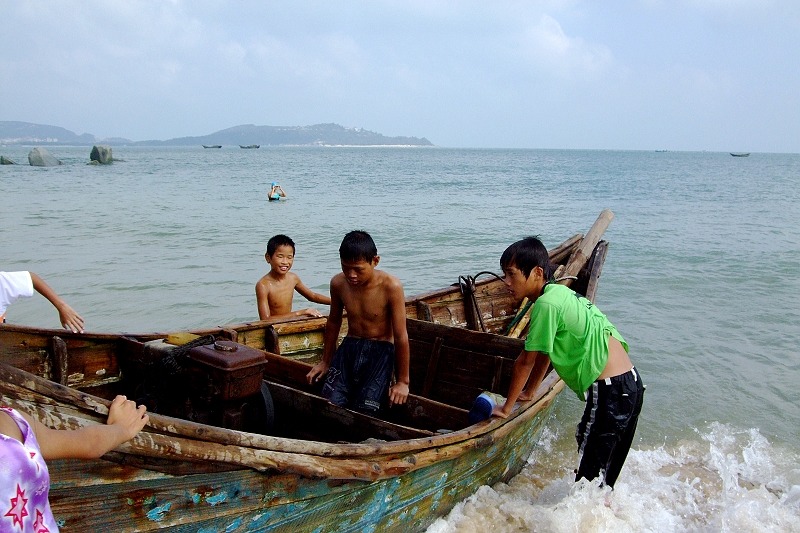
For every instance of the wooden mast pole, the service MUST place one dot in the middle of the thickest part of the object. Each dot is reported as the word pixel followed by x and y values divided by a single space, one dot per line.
pixel 576 261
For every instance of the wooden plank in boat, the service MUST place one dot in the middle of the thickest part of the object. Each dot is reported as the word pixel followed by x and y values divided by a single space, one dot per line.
pixel 479 342
pixel 425 413
pixel 84 359
pixel 595 268
pixel 454 366
pixel 310 416
pixel 459 375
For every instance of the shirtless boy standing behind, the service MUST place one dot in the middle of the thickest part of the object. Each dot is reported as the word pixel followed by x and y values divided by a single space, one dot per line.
pixel 274 291
pixel 359 373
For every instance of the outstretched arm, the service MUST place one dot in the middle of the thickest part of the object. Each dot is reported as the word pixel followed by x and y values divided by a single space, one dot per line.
pixel 308 311
pixel 70 319
pixel 125 420
pixel 310 295
pixel 530 368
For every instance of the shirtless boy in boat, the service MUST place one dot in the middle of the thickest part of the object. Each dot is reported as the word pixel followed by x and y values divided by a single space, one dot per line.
pixel 360 371
pixel 275 290
pixel 588 353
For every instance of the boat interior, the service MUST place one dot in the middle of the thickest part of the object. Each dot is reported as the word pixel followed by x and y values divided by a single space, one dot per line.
pixel 449 369
pixel 252 377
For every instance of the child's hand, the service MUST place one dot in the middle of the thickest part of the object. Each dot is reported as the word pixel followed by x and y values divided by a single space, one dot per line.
pixel 317 372
pixel 70 319
pixel 124 414
pixel 398 393
pixel 310 312
pixel 498 411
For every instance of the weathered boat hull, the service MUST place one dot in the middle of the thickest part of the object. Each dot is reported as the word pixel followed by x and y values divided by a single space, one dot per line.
pixel 124 498
pixel 321 467
pixel 199 478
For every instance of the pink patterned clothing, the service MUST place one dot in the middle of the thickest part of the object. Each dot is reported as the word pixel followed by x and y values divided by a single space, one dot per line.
pixel 24 483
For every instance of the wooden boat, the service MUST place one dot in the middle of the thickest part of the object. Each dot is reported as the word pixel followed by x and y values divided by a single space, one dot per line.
pixel 740 154
pixel 303 464
pixel 212 146
pixel 250 146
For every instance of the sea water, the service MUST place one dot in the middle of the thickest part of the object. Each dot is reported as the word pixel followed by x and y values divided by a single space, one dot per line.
pixel 701 279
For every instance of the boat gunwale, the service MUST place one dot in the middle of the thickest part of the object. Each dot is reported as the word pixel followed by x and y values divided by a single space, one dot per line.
pixel 208 433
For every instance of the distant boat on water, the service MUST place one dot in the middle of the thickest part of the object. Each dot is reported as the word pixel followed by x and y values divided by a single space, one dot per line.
pixel 249 146
pixel 740 154
pixel 212 146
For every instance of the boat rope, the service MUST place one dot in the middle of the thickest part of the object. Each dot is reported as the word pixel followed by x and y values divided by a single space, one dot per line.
pixel 162 378
pixel 562 278
pixel 172 363
pixel 471 310
pixel 482 272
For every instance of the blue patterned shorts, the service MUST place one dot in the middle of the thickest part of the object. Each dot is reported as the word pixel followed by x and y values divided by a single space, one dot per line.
pixel 360 374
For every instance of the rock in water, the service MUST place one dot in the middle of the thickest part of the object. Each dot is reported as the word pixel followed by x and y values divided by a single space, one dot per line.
pixel 39 157
pixel 101 154
pixel 6 161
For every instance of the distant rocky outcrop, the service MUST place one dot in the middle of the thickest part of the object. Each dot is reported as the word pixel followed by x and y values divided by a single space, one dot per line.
pixel 101 154
pixel 6 161
pixel 317 135
pixel 40 157
pixel 13 132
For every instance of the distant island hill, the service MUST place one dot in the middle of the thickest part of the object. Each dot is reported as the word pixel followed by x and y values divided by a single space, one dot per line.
pixel 25 133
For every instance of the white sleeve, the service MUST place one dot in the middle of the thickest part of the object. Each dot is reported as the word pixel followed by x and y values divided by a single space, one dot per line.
pixel 14 285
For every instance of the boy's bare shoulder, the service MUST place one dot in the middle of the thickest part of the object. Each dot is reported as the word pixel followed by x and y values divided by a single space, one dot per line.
pixel 338 279
pixel 389 280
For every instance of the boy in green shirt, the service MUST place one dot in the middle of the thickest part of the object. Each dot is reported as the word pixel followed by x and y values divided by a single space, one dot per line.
pixel 588 353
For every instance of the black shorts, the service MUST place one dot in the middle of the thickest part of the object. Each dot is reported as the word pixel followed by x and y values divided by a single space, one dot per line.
pixel 605 433
pixel 360 374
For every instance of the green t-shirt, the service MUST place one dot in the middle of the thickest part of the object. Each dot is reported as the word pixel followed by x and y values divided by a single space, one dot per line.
pixel 573 333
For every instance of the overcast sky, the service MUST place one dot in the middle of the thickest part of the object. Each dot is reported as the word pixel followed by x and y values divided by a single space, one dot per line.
pixel 640 74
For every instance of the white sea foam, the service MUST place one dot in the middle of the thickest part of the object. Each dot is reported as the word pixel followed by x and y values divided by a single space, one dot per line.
pixel 725 480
